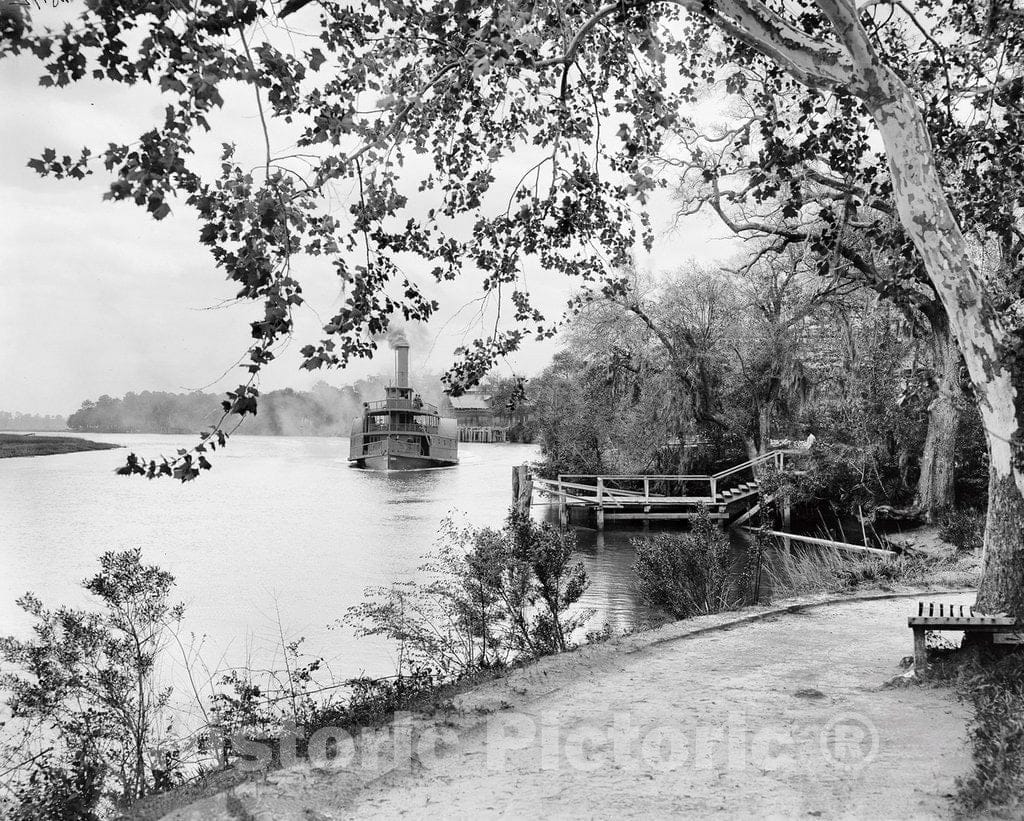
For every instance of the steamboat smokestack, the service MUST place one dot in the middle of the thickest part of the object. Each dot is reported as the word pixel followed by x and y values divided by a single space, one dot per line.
pixel 402 364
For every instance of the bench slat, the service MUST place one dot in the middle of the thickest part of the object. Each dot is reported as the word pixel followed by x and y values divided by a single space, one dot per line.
pixel 961 621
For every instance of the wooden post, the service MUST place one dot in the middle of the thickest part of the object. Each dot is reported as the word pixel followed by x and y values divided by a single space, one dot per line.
pixel 787 521
pixel 563 508
pixel 522 489
pixel 600 519
pixel 714 490
pixel 647 489
pixel 920 650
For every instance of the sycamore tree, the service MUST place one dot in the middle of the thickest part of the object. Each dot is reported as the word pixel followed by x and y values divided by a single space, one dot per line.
pixel 418 103
pixel 789 172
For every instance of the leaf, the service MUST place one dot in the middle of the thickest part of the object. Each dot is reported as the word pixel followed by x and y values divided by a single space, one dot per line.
pixel 169 83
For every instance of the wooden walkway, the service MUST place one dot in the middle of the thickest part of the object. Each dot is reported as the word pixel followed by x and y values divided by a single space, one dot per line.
pixel 730 495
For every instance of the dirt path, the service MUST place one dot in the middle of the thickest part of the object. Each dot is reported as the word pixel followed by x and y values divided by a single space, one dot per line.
pixel 781 718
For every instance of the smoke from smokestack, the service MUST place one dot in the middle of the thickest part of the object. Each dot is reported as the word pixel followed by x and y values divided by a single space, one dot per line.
pixel 396 337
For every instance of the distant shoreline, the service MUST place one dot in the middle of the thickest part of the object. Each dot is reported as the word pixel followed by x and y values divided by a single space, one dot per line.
pixel 13 445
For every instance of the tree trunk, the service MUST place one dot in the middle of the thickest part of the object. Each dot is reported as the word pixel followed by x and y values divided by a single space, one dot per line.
pixel 764 428
pixel 991 351
pixel 1002 579
pixel 751 446
pixel 935 484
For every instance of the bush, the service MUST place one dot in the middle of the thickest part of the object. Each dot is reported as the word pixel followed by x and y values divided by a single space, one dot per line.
pixel 85 684
pixel 264 705
pixel 964 529
pixel 493 596
pixel 688 575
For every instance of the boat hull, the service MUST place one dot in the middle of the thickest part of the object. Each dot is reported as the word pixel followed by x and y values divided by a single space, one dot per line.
pixel 393 462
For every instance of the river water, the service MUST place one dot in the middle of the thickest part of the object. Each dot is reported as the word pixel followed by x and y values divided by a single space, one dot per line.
pixel 275 542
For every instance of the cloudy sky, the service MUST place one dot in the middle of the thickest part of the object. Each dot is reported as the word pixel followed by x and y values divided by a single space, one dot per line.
pixel 101 299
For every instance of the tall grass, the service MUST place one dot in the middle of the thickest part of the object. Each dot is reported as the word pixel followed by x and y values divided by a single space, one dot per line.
pixel 831 571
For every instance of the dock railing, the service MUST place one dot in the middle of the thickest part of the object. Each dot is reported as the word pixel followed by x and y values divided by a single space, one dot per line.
pixel 664 489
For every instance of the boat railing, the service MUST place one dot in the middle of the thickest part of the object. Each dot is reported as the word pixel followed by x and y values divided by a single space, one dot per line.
pixel 401 427
pixel 401 404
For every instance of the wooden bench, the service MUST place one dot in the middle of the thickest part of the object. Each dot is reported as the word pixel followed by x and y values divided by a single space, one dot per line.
pixel 935 617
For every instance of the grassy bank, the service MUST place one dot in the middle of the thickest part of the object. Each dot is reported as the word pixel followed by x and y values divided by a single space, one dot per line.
pixel 12 444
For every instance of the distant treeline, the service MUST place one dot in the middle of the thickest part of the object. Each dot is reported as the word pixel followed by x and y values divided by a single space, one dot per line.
pixel 323 411
pixel 31 421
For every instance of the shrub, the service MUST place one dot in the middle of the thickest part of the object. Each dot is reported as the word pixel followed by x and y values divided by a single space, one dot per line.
pixel 264 705
pixel 85 683
pixel 690 574
pixel 491 596
pixel 964 529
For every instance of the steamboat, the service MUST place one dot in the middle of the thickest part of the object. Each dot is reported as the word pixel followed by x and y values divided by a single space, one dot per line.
pixel 401 431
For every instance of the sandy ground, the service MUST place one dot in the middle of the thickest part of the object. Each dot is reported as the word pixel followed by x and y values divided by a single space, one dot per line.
pixel 784 717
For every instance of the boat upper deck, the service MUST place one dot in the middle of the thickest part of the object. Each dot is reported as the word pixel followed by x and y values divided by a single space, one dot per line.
pixel 401 404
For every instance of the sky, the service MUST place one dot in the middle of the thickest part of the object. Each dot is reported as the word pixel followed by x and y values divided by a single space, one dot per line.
pixel 102 299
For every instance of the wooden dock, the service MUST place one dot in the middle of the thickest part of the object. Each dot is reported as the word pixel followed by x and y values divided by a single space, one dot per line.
pixel 731 495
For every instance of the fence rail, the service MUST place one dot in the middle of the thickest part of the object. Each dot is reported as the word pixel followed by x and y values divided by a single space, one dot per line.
pixel 662 496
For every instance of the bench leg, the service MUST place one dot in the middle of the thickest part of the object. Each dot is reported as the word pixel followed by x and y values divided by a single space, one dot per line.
pixel 920 649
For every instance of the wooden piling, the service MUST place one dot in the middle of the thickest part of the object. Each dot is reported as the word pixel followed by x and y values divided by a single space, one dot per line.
pixel 787 523
pixel 522 489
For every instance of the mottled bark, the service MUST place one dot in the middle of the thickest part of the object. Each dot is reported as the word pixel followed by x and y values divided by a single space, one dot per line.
pixel 1002 576
pixel 987 346
pixel 935 484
